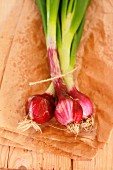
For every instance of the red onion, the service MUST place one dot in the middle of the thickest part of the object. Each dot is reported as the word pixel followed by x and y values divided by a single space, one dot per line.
pixel 40 108
pixel 84 101
pixel 68 111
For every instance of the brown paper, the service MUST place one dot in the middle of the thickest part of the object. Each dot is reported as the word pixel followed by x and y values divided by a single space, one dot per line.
pixel 44 145
pixel 7 32
pixel 96 75
pixel 27 62
pixel 6 142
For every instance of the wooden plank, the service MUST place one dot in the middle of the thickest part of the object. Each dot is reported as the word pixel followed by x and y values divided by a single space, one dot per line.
pixel 102 161
pixel 16 158
pixel 4 152
pixel 55 162
pixel 20 158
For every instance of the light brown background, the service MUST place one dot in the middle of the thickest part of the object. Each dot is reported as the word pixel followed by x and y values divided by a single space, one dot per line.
pixel 15 157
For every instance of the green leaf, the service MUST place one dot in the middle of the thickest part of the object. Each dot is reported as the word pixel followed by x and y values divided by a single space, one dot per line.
pixel 80 31
pixel 54 6
pixel 59 34
pixel 64 7
pixel 78 15
pixel 70 6
pixel 75 43
pixel 52 14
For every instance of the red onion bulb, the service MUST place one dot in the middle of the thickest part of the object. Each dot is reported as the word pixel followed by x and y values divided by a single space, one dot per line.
pixel 40 108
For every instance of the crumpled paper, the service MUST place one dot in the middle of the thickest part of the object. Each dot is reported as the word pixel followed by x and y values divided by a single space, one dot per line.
pixel 26 61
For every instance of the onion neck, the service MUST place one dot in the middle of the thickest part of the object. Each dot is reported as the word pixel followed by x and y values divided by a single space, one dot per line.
pixel 50 90
pixel 70 82
pixel 72 88
pixel 53 62
pixel 60 87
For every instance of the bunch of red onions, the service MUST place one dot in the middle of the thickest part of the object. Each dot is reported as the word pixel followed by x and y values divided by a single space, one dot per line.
pixel 63 23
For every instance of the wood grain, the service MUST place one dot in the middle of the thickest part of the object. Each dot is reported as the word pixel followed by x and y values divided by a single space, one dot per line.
pixel 16 158
pixel 20 158
pixel 102 161
pixel 4 152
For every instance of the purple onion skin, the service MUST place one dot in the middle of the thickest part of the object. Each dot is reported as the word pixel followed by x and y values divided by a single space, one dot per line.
pixel 67 109
pixel 84 101
pixel 40 108
pixel 53 62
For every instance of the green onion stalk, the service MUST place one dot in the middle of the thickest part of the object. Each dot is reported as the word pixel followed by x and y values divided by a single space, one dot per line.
pixel 68 111
pixel 69 31
pixel 63 22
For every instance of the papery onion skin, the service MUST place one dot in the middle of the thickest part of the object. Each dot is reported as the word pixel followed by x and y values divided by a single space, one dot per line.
pixel 40 108
pixel 68 111
pixel 84 101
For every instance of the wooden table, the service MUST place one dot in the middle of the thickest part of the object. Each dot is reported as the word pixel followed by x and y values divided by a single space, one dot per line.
pixel 15 158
